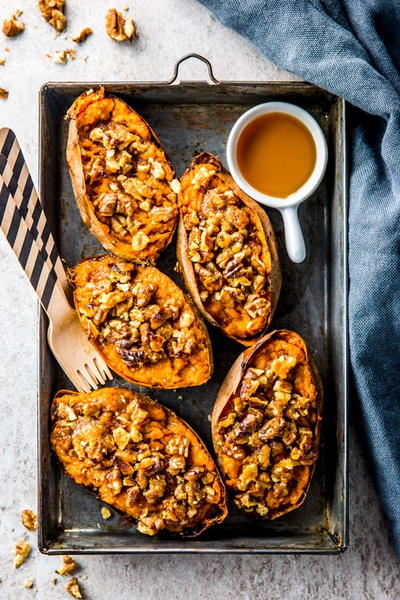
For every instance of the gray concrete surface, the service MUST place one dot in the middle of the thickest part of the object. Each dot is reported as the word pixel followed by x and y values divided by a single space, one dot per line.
pixel 168 29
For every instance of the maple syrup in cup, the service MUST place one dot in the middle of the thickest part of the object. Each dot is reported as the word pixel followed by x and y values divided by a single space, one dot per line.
pixel 277 154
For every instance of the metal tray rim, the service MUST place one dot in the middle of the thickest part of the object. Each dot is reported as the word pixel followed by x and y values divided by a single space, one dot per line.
pixel 336 549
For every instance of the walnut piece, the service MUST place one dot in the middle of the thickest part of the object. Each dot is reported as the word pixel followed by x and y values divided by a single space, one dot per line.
pixel 21 551
pixel 52 11
pixel 68 566
pixel 2 62
pixel 81 37
pixel 73 589
pixel 105 512
pixel 118 28
pixel 62 56
pixel 28 583
pixel 3 93
pixel 29 520
pixel 13 26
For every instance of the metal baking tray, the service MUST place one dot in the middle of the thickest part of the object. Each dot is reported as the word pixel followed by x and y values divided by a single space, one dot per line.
pixel 190 117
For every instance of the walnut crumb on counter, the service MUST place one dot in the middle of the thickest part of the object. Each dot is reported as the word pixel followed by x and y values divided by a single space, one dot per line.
pixel 28 583
pixel 68 566
pixel 29 520
pixel 81 37
pixel 13 26
pixel 72 588
pixel 61 56
pixel 118 28
pixel 21 551
pixel 3 93
pixel 105 512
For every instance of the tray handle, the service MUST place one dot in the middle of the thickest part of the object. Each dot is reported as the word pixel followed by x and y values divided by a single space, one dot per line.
pixel 211 75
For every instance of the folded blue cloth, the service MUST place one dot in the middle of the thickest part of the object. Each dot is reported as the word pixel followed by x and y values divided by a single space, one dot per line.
pixel 351 47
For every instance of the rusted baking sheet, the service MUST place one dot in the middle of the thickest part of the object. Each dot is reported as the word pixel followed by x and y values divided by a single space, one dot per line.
pixel 188 118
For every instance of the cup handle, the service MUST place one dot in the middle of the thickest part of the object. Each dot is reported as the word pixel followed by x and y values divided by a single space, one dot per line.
pixel 294 239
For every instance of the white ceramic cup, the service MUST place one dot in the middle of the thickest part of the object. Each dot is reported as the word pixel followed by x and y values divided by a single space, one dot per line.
pixel 288 207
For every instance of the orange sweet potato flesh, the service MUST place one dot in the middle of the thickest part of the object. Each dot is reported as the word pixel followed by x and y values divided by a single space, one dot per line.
pixel 227 252
pixel 141 323
pixel 140 458
pixel 266 425
pixel 122 180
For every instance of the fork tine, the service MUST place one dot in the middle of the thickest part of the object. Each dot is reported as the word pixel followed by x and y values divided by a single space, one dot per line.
pixel 86 373
pixel 103 368
pixel 99 374
pixel 93 374
pixel 85 385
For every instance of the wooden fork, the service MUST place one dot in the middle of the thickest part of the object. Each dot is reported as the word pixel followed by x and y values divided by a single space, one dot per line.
pixel 66 337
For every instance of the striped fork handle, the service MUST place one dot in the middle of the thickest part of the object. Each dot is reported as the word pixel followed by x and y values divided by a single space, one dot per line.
pixel 15 175
pixel 31 257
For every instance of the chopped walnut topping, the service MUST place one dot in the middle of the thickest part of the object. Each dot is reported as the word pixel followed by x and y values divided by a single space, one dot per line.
pixel 267 437
pixel 3 93
pixel 2 62
pixel 105 512
pixel 129 181
pixel 118 28
pixel 73 588
pixel 228 251
pixel 128 312
pixel 166 479
pixel 21 551
pixel 28 583
pixel 13 26
pixel 81 37
pixel 68 566
pixel 29 520
pixel 52 11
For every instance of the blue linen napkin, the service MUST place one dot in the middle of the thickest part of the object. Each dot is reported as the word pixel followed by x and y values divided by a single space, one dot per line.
pixel 351 47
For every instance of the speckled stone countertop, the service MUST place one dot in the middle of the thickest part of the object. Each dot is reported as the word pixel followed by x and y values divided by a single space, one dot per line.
pixel 168 30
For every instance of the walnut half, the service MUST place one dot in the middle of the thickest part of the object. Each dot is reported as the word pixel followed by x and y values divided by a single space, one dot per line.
pixel 52 10
pixel 13 26
pixel 29 520
pixel 118 28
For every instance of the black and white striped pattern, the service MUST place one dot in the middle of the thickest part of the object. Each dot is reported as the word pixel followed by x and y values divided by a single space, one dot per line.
pixel 31 258
pixel 14 173
pixel 24 225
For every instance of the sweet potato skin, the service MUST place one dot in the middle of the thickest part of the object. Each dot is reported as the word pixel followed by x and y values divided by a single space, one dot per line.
pixel 115 402
pixel 186 265
pixel 169 373
pixel 231 386
pixel 94 104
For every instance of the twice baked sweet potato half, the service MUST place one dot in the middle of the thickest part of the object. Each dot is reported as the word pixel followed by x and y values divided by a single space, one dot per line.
pixel 142 324
pixel 266 425
pixel 124 185
pixel 227 252
pixel 140 458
